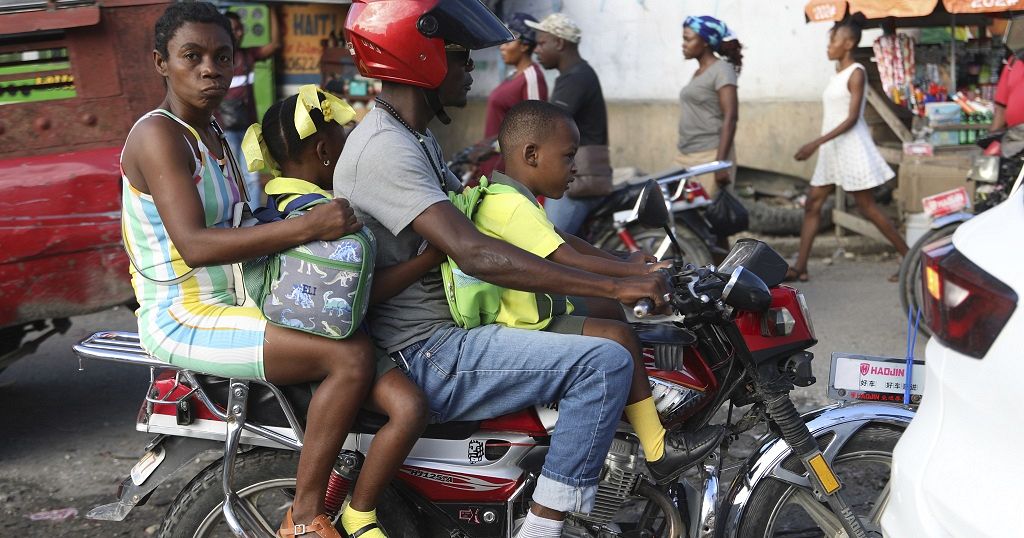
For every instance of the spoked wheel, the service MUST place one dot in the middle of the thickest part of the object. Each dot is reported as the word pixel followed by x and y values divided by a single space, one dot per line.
pixel 785 504
pixel 910 270
pixel 265 482
pixel 694 250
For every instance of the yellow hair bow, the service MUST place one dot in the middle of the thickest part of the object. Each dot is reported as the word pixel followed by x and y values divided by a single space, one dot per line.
pixel 257 156
pixel 333 109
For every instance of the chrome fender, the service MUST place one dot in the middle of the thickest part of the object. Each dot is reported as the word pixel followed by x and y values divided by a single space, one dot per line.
pixel 946 220
pixel 841 419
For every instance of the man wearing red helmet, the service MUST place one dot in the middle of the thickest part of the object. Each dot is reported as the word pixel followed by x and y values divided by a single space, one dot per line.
pixel 393 172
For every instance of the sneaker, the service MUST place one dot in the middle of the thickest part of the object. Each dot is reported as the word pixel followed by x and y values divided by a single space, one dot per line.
pixel 684 449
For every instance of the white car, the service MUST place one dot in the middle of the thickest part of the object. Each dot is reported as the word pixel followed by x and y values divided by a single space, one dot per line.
pixel 958 471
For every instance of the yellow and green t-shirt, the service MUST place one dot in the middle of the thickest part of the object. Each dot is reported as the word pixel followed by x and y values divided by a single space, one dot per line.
pixel 518 219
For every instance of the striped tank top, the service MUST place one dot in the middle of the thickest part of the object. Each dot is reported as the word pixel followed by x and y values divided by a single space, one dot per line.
pixel 191 317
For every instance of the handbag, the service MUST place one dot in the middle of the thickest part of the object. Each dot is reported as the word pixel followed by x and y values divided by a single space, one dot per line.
pixel 593 173
pixel 321 287
pixel 726 215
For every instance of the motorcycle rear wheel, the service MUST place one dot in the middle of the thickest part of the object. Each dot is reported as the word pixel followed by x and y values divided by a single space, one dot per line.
pixel 696 252
pixel 265 478
pixel 910 270
pixel 778 508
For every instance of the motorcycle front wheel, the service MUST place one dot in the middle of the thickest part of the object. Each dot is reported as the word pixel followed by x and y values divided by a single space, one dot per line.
pixel 265 480
pixel 910 270
pixel 863 464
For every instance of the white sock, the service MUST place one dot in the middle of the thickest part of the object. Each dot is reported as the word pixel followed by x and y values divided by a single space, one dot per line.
pixel 539 527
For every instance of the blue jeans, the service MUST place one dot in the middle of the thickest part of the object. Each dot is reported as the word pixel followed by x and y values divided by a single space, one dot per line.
pixel 568 214
pixel 251 179
pixel 493 370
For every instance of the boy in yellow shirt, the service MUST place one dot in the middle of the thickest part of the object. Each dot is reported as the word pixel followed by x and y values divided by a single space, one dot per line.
pixel 538 143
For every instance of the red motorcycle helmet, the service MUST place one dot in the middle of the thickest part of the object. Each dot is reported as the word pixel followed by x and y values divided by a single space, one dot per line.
pixel 404 40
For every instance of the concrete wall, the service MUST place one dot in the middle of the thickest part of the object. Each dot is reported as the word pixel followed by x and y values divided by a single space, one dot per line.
pixel 643 134
pixel 635 47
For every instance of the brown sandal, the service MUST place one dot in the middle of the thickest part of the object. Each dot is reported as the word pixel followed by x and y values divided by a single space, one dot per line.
pixel 793 275
pixel 320 526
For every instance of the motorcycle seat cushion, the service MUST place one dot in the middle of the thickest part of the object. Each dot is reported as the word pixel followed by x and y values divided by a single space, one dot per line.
pixel 263 408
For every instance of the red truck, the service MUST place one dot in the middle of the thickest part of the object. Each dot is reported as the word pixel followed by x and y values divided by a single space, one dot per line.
pixel 74 76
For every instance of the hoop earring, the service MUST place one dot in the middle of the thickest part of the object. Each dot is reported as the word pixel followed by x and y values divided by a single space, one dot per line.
pixel 327 162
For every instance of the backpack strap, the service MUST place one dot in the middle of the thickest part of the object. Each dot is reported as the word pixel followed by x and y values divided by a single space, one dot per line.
pixel 304 201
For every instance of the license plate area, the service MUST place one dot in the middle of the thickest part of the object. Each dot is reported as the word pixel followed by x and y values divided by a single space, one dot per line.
pixel 875 379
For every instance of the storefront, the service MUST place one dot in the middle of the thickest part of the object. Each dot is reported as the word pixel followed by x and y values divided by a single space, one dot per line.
pixel 932 76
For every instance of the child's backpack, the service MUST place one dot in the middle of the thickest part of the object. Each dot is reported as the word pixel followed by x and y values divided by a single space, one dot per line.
pixel 322 287
pixel 472 301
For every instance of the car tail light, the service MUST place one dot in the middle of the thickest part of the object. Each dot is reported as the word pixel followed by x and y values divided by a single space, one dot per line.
pixel 964 306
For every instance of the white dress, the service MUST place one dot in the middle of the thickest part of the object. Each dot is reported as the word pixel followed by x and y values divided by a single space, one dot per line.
pixel 851 159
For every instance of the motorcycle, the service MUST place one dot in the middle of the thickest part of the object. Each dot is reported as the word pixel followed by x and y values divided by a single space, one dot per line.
pixel 741 343
pixel 996 172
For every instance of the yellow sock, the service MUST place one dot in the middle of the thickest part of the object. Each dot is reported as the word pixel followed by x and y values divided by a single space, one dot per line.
pixel 353 520
pixel 644 418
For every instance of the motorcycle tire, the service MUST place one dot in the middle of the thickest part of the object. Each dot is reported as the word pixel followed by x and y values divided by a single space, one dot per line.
pixel 910 270
pixel 770 219
pixel 696 251
pixel 768 510
pixel 196 511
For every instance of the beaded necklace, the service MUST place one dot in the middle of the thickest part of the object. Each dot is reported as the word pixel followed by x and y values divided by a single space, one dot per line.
pixel 437 167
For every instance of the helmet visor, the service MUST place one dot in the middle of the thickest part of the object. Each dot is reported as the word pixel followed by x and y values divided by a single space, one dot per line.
pixel 467 23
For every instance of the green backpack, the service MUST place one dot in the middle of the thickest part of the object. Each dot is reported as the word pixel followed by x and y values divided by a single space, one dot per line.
pixel 472 301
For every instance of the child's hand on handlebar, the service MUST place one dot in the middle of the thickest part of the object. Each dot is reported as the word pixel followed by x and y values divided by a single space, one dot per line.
pixel 332 220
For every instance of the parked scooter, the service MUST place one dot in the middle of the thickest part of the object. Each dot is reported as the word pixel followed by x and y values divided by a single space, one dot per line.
pixel 995 172
pixel 742 341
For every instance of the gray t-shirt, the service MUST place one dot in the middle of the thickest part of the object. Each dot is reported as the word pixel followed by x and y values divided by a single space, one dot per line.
pixel 387 177
pixel 700 118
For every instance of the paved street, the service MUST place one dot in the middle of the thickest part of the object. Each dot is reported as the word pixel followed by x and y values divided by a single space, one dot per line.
pixel 67 438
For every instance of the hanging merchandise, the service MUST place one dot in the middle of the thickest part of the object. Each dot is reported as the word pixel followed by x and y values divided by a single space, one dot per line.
pixel 895 56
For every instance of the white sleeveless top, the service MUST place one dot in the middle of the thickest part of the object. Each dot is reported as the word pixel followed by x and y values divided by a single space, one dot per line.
pixel 851 159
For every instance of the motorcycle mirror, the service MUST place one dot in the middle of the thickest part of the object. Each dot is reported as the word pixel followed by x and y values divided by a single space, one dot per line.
pixel 746 291
pixel 651 207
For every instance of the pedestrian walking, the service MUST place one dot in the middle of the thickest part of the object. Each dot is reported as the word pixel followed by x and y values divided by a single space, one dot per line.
pixel 524 81
pixel 708 106
pixel 847 155
pixel 578 91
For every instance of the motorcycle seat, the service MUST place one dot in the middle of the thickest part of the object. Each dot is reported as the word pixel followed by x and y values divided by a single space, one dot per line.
pixel 264 408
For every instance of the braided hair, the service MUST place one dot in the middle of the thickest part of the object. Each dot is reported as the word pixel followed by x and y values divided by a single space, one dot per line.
pixel 279 131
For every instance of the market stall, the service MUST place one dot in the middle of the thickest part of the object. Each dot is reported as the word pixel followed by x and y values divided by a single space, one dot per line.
pixel 932 77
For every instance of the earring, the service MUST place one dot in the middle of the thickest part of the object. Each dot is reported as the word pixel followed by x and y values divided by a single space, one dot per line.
pixel 327 162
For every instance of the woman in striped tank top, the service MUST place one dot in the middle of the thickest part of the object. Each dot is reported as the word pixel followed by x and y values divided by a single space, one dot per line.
pixel 177 212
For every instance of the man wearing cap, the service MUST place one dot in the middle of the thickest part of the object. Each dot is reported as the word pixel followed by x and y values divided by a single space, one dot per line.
pixel 524 81
pixel 578 91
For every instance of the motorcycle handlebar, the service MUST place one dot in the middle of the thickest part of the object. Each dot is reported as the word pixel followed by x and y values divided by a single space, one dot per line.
pixel 643 308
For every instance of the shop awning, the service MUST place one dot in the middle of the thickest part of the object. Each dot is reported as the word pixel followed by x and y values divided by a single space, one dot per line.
pixel 835 10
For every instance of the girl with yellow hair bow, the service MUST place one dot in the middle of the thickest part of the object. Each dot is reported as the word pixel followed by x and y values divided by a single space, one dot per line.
pixel 299 142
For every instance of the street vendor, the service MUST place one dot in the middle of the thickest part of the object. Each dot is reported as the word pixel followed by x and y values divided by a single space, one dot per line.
pixel 1009 98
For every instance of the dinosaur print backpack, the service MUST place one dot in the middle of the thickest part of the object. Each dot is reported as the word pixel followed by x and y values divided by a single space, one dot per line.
pixel 322 287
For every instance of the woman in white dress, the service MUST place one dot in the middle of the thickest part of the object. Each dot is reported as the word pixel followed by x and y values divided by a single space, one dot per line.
pixel 846 154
